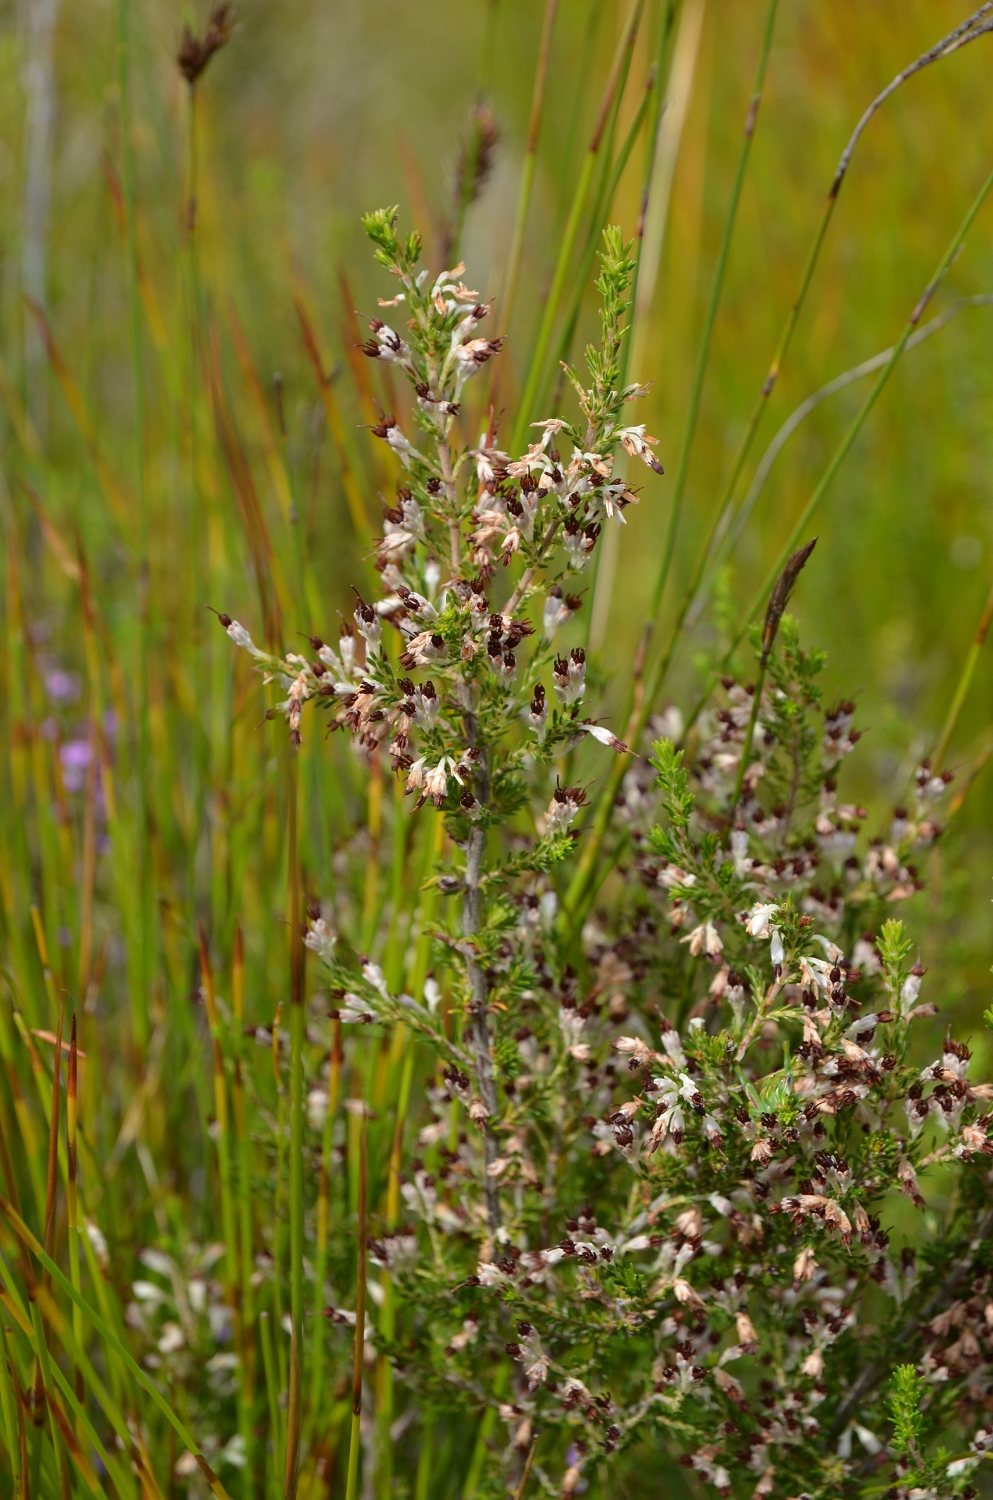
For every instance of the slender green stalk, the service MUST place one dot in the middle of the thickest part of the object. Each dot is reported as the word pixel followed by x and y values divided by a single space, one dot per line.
pixel 297 951
pixel 962 687
pixel 8 1407
pixel 272 1392
pixel 202 740
pixel 355 1440
pixel 279 1200
pixel 423 1478
pixel 600 216
pixel 486 1425
pixel 703 354
pixel 635 338
pixel 141 974
pixel 536 369
pixel 221 1128
pixel 323 1216
pixel 71 1193
pixel 45 1367
pixel 508 295
pixel 246 1392
pixel 753 718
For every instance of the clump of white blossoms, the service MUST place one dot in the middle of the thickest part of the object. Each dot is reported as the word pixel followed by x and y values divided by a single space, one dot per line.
pixel 669 1171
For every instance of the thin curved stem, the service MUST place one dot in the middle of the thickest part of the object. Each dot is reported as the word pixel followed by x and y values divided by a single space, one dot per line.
pixel 969 30
pixel 727 532
pixel 803 520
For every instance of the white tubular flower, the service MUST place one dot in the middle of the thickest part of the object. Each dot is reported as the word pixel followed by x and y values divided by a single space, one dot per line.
pixel 389 430
pixel 320 939
pixel 370 626
pixel 426 705
pixel 386 345
pixel 704 939
pixel 575 550
pixel 537 713
pixel 471 357
pixel 635 442
pixel 330 659
pixel 605 737
pixel 558 611
pixel 739 850
pixel 416 604
pixel 565 804
pixel 569 675
pixel 673 1047
pixel 550 427
pixel 436 784
pixel 757 925
pixel 529 507
pixel 241 637
pixel 424 650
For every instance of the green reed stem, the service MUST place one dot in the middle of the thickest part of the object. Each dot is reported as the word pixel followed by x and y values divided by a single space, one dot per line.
pixel 511 278
pixel 246 1394
pixel 962 687
pixel 222 1143
pixel 355 1440
pixel 71 1193
pixel 323 1224
pixel 604 202
pixel 141 973
pixel 422 1480
pixel 8 1407
pixel 536 369
pixel 45 1363
pixel 297 951
pixel 703 354
pixel 272 1392
pixel 486 1425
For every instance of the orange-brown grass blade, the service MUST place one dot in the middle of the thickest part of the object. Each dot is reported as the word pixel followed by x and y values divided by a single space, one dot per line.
pixel 71 1192
pixel 51 1190
pixel 112 492
pixel 253 521
pixel 275 461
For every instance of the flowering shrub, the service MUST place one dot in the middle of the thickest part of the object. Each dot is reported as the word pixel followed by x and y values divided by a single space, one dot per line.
pixel 681 1176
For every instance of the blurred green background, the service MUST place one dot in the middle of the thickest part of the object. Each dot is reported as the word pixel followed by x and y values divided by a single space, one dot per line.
pixel 312 114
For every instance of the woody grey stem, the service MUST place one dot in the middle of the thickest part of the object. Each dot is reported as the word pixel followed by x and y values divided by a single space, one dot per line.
pixel 478 983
